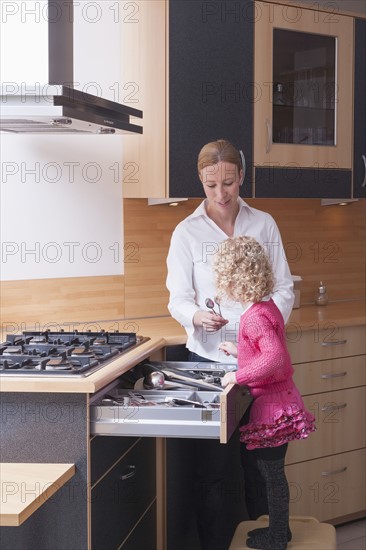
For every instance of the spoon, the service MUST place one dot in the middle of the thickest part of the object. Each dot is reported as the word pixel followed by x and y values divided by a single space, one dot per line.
pixel 218 304
pixel 210 305
pixel 154 379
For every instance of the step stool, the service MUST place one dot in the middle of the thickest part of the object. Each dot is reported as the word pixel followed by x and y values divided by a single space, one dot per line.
pixel 307 534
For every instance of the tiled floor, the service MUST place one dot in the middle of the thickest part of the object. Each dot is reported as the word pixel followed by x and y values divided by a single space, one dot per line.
pixel 352 536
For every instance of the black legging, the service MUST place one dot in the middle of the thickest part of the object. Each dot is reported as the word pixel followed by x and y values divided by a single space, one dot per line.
pixel 255 485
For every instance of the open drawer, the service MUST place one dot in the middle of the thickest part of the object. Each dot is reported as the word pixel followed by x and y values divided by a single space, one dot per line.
pixel 179 413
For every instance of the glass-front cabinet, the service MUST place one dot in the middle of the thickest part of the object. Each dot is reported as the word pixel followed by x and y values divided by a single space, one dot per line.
pixel 303 78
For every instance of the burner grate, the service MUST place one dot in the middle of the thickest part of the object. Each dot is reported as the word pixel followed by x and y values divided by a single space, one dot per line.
pixel 63 353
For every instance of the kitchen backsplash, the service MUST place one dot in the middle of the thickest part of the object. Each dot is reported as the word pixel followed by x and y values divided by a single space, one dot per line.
pixel 322 243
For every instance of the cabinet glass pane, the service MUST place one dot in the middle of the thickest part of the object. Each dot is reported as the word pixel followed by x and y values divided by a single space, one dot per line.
pixel 304 88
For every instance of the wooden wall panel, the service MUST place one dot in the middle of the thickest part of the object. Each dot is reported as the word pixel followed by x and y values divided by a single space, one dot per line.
pixel 148 230
pixel 322 242
pixel 34 303
pixel 325 243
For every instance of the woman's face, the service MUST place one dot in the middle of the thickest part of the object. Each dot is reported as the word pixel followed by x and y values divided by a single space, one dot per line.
pixel 221 185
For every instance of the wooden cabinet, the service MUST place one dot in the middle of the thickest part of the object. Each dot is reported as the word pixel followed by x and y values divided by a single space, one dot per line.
pixel 325 470
pixel 277 80
pixel 330 488
pixel 191 66
pixel 123 493
pixel 302 128
pixel 210 86
pixel 359 139
pixel 144 66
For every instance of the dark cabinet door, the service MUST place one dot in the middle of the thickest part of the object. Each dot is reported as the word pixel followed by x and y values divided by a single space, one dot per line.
pixel 289 182
pixel 359 160
pixel 123 496
pixel 210 86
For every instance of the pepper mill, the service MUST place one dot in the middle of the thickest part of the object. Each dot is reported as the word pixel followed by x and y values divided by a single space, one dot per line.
pixel 321 299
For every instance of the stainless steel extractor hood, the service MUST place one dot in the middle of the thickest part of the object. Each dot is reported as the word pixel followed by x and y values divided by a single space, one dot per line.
pixel 57 107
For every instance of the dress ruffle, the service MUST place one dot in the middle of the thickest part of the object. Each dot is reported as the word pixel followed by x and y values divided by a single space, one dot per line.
pixel 287 424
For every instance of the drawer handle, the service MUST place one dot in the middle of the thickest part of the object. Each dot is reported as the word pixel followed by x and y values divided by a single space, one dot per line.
pixel 335 375
pixel 329 408
pixel 363 184
pixel 334 343
pixel 269 135
pixel 333 472
pixel 130 472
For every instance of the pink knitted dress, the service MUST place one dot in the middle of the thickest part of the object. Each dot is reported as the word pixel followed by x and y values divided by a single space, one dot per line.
pixel 278 413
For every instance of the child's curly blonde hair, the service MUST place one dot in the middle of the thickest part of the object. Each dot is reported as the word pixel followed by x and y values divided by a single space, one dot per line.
pixel 243 271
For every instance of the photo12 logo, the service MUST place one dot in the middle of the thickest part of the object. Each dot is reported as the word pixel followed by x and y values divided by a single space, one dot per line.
pixel 70 252
pixel 53 11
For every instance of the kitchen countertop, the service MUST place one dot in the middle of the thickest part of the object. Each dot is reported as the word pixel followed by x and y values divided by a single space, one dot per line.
pixel 18 502
pixel 165 331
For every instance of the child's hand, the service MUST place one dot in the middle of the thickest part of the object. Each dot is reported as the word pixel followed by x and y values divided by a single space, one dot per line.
pixel 229 348
pixel 229 378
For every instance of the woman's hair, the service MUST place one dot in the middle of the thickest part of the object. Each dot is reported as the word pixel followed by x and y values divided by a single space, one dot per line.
pixel 243 271
pixel 218 151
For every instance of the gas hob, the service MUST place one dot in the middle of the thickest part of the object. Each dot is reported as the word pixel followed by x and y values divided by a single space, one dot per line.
pixel 63 353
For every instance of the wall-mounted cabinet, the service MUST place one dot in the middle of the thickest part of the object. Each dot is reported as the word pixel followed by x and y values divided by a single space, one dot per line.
pixel 210 86
pixel 303 71
pixel 359 139
pixel 192 65
pixel 144 69
pixel 276 80
pixel 303 68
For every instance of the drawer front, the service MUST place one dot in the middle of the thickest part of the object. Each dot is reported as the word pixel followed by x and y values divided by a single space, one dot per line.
pixel 121 498
pixel 340 421
pixel 329 342
pixel 328 488
pixel 330 375
pixel 105 451
pixel 143 537
pixel 178 421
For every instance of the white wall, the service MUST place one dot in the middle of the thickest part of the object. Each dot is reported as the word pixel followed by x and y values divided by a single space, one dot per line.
pixel 61 196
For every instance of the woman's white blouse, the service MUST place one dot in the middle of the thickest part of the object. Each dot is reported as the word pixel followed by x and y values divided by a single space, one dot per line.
pixel 190 277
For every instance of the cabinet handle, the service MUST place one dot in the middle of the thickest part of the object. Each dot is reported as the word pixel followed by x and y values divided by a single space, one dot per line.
pixel 130 472
pixel 269 135
pixel 329 408
pixel 333 472
pixel 364 177
pixel 334 343
pixel 244 165
pixel 335 375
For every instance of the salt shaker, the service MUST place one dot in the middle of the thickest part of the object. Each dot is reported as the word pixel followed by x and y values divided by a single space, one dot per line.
pixel 321 298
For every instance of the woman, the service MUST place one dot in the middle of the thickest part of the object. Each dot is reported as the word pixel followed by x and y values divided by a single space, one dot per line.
pixel 190 281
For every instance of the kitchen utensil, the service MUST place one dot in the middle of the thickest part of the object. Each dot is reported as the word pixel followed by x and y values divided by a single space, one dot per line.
pixel 137 399
pixel 110 400
pixel 192 381
pixel 210 305
pixel 139 384
pixel 174 385
pixel 154 380
pixel 217 302
pixel 180 401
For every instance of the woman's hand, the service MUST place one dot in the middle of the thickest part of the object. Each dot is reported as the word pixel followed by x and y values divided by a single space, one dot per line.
pixel 229 348
pixel 209 321
pixel 229 378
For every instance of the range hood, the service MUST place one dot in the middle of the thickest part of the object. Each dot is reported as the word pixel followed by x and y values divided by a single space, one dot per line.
pixel 56 106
